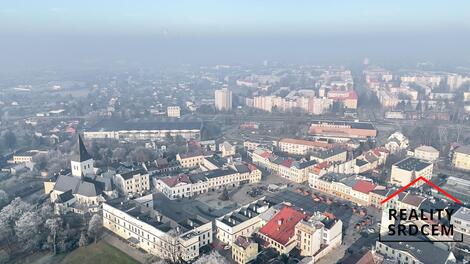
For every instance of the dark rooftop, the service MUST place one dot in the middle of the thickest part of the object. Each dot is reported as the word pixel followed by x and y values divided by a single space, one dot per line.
pixel 412 164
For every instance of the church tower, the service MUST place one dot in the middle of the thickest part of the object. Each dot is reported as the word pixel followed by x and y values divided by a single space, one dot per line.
pixel 82 163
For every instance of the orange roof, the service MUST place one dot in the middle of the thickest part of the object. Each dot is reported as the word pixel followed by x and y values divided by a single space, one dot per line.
pixel 363 186
pixel 281 227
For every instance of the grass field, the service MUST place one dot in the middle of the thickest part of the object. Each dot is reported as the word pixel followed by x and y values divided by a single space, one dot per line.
pixel 98 253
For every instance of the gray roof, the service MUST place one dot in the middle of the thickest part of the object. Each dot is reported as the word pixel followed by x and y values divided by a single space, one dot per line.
pixel 412 164
pixel 463 149
pixel 86 187
pixel 130 174
pixel 217 173
pixel 463 213
pixel 328 153
pixel 425 252
pixel 90 188
pixel 64 197
pixel 305 164
pixel 65 183
pixel 241 168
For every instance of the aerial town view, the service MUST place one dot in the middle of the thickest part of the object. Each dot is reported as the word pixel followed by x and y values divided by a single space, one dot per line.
pixel 213 132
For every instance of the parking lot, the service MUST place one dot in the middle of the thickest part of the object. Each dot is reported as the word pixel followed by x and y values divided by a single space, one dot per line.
pixel 360 228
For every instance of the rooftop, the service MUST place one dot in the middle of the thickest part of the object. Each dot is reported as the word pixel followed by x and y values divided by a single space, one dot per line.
pixel 282 227
pixel 351 124
pixel 116 125
pixel 426 149
pixel 324 154
pixel 318 144
pixel 463 213
pixel 424 252
pixel 412 164
pixel 463 149
pixel 364 186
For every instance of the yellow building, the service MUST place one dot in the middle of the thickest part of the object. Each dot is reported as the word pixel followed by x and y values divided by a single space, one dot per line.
pixel 190 160
pixel 244 250
pixel 461 158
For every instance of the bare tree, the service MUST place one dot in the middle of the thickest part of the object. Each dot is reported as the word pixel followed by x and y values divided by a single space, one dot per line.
pixel 213 258
pixel 83 240
pixel 4 198
pixel 54 224
pixel 95 226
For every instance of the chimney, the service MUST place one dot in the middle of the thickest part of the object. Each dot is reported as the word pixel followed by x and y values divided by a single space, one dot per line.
pixel 279 222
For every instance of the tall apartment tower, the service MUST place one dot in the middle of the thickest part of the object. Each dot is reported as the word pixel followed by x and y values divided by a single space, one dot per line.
pixel 223 99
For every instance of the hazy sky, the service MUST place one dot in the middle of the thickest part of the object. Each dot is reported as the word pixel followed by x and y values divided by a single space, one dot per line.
pixel 112 30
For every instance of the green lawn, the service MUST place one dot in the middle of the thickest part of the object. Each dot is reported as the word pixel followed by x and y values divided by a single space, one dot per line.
pixel 98 253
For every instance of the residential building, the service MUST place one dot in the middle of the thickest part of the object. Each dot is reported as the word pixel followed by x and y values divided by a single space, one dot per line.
pixel 223 99
pixel 352 188
pixel 318 235
pixel 189 185
pixel 279 232
pixel 301 147
pixel 227 149
pixel 190 160
pixel 426 153
pixel 241 222
pixel 397 142
pixel 133 183
pixel 334 155
pixel 405 171
pixel 173 111
pixel 461 158
pixel 293 170
pixel 244 250
pixel 461 221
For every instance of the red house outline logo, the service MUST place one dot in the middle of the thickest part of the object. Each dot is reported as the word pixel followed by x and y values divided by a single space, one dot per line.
pixel 426 181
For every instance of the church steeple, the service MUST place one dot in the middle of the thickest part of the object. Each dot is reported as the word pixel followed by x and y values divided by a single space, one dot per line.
pixel 82 152
pixel 82 162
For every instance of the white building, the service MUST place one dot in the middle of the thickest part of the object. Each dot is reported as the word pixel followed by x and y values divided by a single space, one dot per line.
pixel 223 99
pixel 405 171
pixel 241 222
pixel 227 149
pixel 173 111
pixel 144 226
pixel 426 153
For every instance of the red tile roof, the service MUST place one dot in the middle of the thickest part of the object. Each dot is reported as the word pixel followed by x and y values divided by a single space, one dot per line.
pixel 363 186
pixel 287 163
pixel 265 154
pixel 174 180
pixel 281 227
